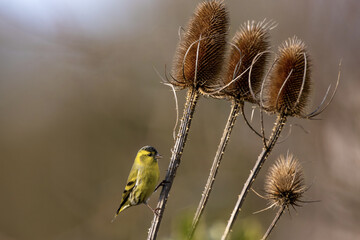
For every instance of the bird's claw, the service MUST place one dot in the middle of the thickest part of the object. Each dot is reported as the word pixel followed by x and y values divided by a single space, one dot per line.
pixel 162 184
pixel 157 211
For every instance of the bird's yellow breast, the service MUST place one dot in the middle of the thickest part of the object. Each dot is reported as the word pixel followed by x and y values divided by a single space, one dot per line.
pixel 146 182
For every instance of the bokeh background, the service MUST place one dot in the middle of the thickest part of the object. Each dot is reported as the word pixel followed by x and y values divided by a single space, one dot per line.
pixel 79 96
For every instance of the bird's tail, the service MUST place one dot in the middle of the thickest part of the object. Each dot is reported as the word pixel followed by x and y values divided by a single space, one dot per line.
pixel 116 214
pixel 114 217
pixel 121 208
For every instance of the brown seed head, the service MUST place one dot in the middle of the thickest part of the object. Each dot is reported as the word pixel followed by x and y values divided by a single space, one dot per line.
pixel 200 54
pixel 285 182
pixel 251 40
pixel 288 88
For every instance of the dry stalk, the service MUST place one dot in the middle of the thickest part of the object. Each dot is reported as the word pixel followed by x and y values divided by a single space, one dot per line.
pixel 197 64
pixel 249 52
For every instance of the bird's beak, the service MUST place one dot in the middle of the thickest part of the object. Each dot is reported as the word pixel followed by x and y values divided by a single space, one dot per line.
pixel 158 156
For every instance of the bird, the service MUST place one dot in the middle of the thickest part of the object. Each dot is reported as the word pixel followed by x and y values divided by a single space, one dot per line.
pixel 142 179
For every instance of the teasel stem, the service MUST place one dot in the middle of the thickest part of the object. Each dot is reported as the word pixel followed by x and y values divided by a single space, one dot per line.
pixel 273 224
pixel 279 124
pixel 189 109
pixel 234 112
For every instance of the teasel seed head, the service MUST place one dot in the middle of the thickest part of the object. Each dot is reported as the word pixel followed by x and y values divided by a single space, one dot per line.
pixel 250 41
pixel 289 85
pixel 285 182
pixel 200 54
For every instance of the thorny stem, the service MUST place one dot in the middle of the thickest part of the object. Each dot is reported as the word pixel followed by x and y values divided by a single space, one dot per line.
pixel 189 109
pixel 279 124
pixel 234 112
pixel 273 224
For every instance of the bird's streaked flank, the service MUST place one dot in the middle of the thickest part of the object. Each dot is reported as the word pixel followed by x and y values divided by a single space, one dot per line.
pixel 142 179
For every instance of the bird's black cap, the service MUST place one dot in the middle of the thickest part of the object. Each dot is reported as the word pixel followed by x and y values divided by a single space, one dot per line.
pixel 149 149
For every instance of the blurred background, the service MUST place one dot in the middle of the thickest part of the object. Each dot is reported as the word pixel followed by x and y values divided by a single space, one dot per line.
pixel 79 96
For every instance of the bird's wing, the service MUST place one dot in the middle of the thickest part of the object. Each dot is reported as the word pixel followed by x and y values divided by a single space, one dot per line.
pixel 131 182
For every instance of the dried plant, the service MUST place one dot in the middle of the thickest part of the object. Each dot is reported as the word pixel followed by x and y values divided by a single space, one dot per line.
pixel 248 51
pixel 284 186
pixel 248 59
pixel 200 54
pixel 286 94
pixel 197 64
pixel 198 67
pixel 291 68
pixel 288 89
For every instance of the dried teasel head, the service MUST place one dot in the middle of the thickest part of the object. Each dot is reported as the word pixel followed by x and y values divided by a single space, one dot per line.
pixel 248 53
pixel 285 183
pixel 200 54
pixel 289 85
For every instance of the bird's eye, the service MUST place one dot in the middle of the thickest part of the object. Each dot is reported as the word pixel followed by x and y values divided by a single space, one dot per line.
pixel 149 154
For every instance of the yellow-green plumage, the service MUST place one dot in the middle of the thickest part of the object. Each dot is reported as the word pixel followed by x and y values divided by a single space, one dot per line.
pixel 142 179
